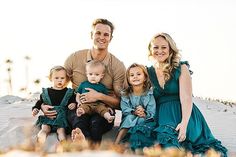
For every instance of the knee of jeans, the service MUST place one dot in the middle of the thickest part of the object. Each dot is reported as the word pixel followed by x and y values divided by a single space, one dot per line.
pixel 97 128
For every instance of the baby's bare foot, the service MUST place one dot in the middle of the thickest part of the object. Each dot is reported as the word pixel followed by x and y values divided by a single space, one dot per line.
pixel 108 117
pixel 111 119
pixel 80 111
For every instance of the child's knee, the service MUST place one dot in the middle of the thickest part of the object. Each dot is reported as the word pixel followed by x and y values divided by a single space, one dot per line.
pixel 46 128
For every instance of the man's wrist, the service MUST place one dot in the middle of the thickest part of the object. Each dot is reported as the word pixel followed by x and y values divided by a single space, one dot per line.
pixel 100 96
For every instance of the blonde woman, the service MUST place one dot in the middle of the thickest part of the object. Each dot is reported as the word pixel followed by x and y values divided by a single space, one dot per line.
pixel 180 122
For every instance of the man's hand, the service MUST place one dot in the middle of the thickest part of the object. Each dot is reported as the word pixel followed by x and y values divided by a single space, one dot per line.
pixel 91 96
pixel 48 112
pixel 77 98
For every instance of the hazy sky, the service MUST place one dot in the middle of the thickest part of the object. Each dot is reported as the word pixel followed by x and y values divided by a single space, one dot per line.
pixel 49 30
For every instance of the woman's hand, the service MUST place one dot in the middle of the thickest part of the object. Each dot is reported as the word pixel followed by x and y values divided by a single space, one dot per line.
pixel 181 128
pixel 91 96
pixel 48 112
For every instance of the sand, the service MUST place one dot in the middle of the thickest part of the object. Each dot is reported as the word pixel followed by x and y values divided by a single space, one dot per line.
pixel 16 124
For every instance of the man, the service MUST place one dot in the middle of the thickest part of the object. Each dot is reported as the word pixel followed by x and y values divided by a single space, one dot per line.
pixel 94 126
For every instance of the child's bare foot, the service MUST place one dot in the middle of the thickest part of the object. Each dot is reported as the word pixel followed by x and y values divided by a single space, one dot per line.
pixel 108 117
pixel 39 145
pixel 80 111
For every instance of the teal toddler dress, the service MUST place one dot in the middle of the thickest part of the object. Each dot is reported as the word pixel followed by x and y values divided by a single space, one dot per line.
pixel 60 121
pixel 198 135
pixel 135 124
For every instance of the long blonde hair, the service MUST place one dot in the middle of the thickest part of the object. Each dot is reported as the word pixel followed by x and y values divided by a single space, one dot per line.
pixel 127 88
pixel 173 60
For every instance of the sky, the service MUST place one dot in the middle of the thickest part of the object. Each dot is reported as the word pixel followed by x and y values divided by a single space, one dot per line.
pixel 49 30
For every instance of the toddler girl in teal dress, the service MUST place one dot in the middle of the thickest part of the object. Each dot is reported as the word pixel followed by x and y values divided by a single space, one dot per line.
pixel 61 98
pixel 137 103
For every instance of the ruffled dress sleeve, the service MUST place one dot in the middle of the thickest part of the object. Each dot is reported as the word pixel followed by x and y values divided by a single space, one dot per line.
pixel 126 106
pixel 178 69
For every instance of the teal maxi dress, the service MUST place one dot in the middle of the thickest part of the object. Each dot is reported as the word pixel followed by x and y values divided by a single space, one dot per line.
pixel 198 135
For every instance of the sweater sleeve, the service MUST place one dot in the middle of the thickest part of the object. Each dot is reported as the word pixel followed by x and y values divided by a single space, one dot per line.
pixel 72 99
pixel 126 107
pixel 38 103
pixel 151 108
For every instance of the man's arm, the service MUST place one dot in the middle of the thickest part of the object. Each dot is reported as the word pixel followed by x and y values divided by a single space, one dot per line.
pixel 113 99
pixel 92 96
pixel 48 111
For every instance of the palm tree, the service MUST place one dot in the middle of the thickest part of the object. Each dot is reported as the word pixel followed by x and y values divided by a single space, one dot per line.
pixel 37 83
pixel 27 59
pixel 9 63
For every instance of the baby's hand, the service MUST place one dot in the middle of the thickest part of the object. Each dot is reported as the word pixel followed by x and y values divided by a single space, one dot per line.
pixel 72 106
pixel 35 111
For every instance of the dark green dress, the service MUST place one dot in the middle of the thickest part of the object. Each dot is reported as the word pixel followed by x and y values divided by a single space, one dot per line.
pixel 60 121
pixel 198 135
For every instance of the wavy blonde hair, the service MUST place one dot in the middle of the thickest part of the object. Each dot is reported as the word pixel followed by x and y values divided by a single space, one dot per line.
pixel 127 87
pixel 173 60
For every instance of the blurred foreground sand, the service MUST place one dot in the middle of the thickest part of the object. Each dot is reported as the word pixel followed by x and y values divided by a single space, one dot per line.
pixel 16 124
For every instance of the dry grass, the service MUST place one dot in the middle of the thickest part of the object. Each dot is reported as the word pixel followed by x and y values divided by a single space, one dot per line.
pixel 77 147
pixel 157 151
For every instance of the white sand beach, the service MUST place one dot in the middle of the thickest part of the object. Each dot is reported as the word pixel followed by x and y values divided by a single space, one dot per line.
pixel 16 124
